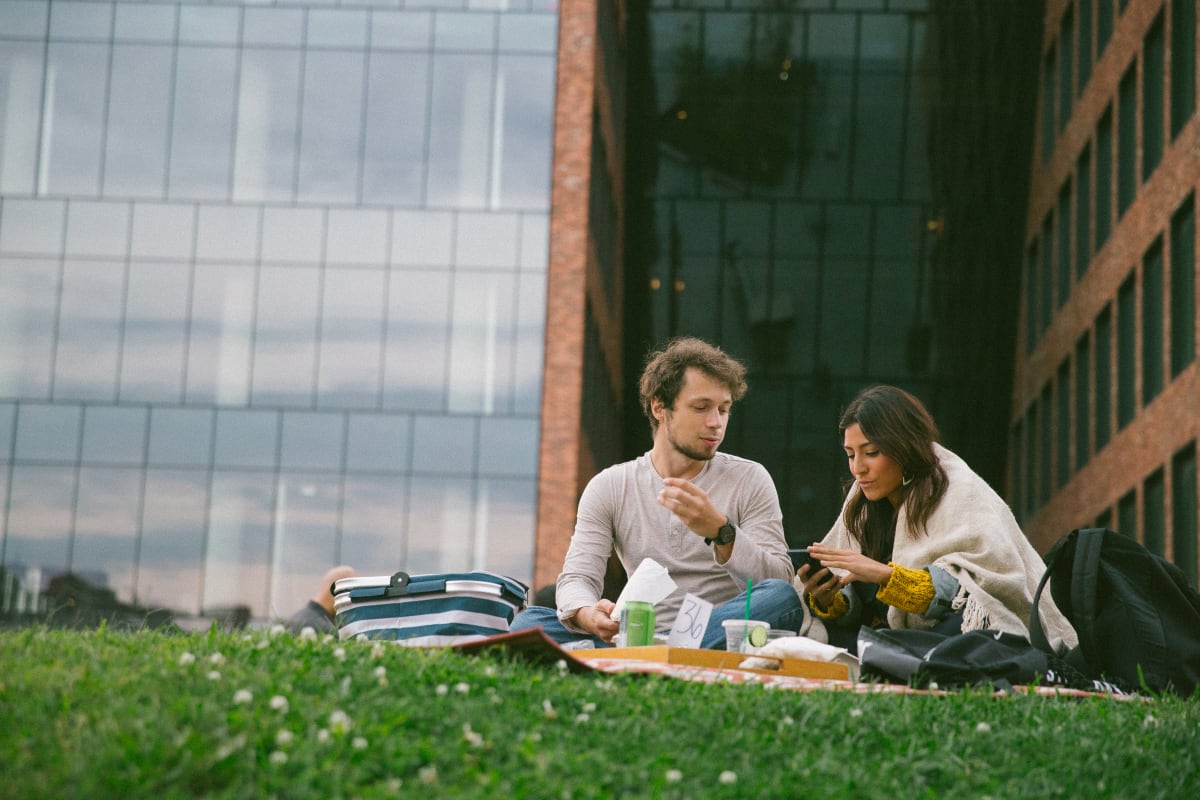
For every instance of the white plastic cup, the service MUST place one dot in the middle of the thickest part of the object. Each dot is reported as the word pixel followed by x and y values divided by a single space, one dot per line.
pixel 737 638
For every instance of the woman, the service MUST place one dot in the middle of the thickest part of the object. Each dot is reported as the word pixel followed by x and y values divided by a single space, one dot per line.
pixel 922 541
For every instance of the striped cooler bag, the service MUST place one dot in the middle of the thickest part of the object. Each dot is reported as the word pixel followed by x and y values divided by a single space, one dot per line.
pixel 427 610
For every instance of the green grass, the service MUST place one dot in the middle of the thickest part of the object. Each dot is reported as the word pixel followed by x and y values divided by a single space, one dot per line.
pixel 107 714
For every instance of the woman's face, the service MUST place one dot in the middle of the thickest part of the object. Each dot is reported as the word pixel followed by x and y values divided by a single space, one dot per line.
pixel 876 475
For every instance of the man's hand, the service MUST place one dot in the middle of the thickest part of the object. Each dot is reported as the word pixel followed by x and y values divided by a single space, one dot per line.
pixel 597 620
pixel 691 504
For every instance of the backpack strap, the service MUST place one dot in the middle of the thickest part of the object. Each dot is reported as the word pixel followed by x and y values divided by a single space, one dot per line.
pixel 1085 578
pixel 1037 634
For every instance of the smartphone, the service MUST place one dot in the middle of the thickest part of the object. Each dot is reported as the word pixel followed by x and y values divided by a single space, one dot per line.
pixel 800 557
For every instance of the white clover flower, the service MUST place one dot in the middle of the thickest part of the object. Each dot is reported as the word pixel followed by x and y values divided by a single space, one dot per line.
pixel 279 703
pixel 728 776
pixel 186 659
pixel 1150 721
pixel 473 738
pixel 278 757
pixel 548 709
pixel 323 735
pixel 982 727
pixel 561 665
pixel 462 688
pixel 377 650
pixel 441 690
pixel 359 743
pixel 339 722
pixel 582 717
pixel 381 675
pixel 262 644
pixel 213 675
pixel 216 659
pixel 856 712
pixel 284 737
pixel 589 708
pixel 490 671
pixel 242 696
pixel 674 776
pixel 231 746
pixel 428 775
pixel 339 653
pixel 308 633
pixel 277 630
pixel 787 720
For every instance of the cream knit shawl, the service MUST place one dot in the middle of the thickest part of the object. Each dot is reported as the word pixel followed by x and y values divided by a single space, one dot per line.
pixel 973 535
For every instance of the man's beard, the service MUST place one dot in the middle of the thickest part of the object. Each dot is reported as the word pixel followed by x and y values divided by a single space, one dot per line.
pixel 695 455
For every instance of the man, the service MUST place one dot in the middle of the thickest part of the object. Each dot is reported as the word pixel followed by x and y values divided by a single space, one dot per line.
pixel 712 520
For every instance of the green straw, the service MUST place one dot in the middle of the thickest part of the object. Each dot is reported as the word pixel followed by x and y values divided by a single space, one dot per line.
pixel 749 588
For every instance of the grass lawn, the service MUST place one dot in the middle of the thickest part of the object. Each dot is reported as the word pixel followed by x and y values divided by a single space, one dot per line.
pixel 249 714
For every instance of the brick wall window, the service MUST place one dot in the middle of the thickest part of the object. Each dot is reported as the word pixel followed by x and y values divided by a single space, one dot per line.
pixel 1154 523
pixel 1083 212
pixel 1153 68
pixel 1126 352
pixel 1183 287
pixel 1127 514
pixel 1104 178
pixel 1183 63
pixel 1126 140
pixel 1083 379
pixel 1152 322
pixel 1062 424
pixel 1184 512
pixel 1103 377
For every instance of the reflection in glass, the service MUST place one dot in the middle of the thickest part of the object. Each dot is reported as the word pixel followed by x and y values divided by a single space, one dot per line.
pixel 135 158
pixel 202 122
pixel 180 437
pixel 171 552
pixel 246 439
pixel 357 236
pixel 32 227
pixel 8 421
pixel 89 330
pixel 378 442
pixel 373 531
pixel 218 359
pixel 394 164
pixel 303 538
pixel 163 231
pixel 28 302
pixel 351 345
pixel 312 441
pixel 267 118
pixel 39 516
pixel 227 233
pixel 238 546
pixel 447 506
pixel 48 433
pixel 285 336
pixel 508 446
pixel 152 353
pixel 460 138
pixel 106 527
pixel 486 240
pixel 423 238
pixel 20 114
pixel 444 445
pixel 525 86
pixel 481 352
pixel 98 229
pixel 506 526
pixel 292 235
pixel 73 126
pixel 331 129
pixel 416 347
pixel 530 321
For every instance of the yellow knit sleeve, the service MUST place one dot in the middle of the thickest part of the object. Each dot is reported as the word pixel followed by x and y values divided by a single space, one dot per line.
pixel 840 606
pixel 909 590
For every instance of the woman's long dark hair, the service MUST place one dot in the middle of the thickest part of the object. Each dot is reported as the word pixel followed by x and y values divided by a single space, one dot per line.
pixel 903 430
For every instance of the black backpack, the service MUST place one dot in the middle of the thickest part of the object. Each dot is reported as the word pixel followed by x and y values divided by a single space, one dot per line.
pixel 1137 618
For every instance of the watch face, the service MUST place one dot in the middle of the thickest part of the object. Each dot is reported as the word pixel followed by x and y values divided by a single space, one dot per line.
pixel 725 534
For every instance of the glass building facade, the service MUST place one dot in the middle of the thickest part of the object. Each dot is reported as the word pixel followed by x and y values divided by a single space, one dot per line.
pixel 272 286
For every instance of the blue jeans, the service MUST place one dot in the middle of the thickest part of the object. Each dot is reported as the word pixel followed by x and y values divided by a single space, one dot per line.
pixel 772 601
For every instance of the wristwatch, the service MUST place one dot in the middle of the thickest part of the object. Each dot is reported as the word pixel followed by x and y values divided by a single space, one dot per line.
pixel 725 534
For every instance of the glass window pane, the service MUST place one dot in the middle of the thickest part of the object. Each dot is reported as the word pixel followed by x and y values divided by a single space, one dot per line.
pixel 28 308
pixel 337 28
pixel 293 235
pixel 464 30
pixel 529 33
pixel 403 29
pixel 351 349
pixel 163 231
pixel 23 18
pixel 48 433
pixel 74 125
pixel 444 445
pixel 39 521
pixel 209 24
pixel 285 346
pixel 528 363
pixel 535 241
pixel 89 330
pixel 32 226
pixel 8 421
pixel 154 341
pixel 135 160
pixel 221 327
pixel 202 126
pixel 396 128
pixel 312 441
pixel 447 506
pixel 332 127
pixel 378 442
pixel 486 240
pixel 155 23
pixel 415 360
pixel 273 26
pixel 267 121
pixel 114 435
pixel 237 555
pixel 460 136
pixel 481 350
pixel 20 113
pixel 98 229
pixel 505 536
pixel 373 530
pixel 358 236
pixel 422 238
pixel 227 233
pixel 172 547
pixel 106 528
pixel 247 438
pixel 80 20
pixel 508 446
pixel 180 437
pixel 304 537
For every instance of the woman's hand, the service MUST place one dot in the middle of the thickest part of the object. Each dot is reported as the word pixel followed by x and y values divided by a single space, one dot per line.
pixel 821 584
pixel 859 567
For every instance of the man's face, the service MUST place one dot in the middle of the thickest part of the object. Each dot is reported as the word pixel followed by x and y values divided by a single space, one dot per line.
pixel 695 426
